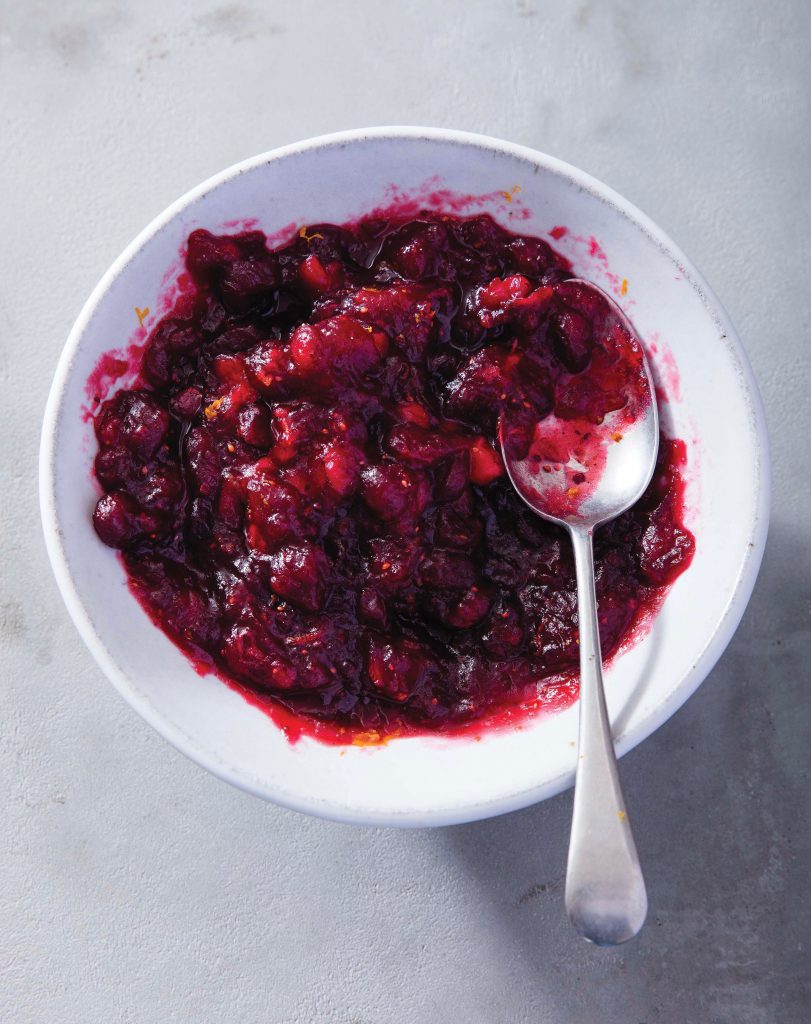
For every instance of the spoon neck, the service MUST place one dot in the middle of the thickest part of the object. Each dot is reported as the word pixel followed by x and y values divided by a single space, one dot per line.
pixel 583 544
pixel 594 728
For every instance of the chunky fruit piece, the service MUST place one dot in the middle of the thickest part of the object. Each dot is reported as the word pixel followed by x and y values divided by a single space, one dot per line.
pixel 342 465
pixel 398 669
pixel 512 300
pixel 274 513
pixel 420 446
pixel 505 633
pixel 482 384
pixel 254 425
pixel 252 654
pixel 485 462
pixel 203 465
pixel 186 403
pixel 268 368
pixel 306 485
pixel 394 493
pixel 299 573
pixel 494 376
pixel 319 279
pixel 392 564
pixel 234 339
pixel 336 351
pixel 409 314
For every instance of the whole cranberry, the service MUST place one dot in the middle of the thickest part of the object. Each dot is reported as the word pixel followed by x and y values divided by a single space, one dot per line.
pixel 207 253
pixel 186 403
pixel 115 467
pixel 135 420
pixel 459 609
pixel 571 337
pixel 119 522
pixel 249 285
pixel 170 346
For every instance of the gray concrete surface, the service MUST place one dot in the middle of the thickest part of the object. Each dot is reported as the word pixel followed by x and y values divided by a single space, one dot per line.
pixel 136 888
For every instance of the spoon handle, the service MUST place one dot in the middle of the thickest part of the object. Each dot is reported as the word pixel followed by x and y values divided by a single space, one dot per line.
pixel 605 891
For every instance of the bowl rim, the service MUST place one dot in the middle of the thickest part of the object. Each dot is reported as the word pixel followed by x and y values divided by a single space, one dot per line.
pixel 703 662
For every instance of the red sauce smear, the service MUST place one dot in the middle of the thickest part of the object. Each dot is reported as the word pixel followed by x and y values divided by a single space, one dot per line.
pixel 303 477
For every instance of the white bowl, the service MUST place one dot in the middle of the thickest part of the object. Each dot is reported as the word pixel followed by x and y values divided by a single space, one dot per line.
pixel 713 405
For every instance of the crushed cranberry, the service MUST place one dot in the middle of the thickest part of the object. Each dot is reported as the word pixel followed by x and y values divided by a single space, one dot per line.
pixel 306 485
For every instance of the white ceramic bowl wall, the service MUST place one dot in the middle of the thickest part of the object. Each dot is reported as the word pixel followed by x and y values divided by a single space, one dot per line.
pixel 715 408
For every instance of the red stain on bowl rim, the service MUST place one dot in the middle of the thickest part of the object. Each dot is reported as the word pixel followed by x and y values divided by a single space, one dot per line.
pixel 432 196
pixel 589 250
pixel 665 369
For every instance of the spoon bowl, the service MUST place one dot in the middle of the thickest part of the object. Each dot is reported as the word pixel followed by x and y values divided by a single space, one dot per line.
pixel 581 466
pixel 581 470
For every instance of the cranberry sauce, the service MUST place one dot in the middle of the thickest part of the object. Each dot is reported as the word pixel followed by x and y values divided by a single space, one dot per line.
pixel 306 488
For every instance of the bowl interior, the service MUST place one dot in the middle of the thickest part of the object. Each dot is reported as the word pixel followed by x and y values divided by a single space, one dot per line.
pixel 712 405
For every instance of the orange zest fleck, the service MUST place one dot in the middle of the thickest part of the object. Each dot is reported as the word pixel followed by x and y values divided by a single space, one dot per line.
pixel 211 411
pixel 513 192
pixel 624 288
pixel 369 738
pixel 308 238
pixel 616 436
pixel 142 314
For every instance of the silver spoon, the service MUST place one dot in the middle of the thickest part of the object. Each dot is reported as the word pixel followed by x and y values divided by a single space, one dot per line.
pixel 605 891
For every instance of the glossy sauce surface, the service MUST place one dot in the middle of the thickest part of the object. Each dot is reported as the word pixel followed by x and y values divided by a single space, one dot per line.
pixel 306 489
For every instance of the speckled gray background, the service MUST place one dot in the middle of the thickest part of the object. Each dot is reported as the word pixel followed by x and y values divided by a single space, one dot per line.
pixel 136 888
